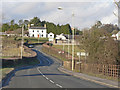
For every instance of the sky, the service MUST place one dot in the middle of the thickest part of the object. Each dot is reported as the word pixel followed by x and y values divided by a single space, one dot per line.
pixel 86 12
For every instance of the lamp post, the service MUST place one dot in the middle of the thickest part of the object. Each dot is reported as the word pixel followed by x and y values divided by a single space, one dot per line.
pixel 60 8
pixel 72 43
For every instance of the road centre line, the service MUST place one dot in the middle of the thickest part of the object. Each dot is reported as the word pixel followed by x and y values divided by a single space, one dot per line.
pixel 51 81
pixel 38 68
pixel 59 85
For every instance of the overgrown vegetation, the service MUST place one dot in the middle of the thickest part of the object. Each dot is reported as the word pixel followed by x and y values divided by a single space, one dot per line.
pixel 100 45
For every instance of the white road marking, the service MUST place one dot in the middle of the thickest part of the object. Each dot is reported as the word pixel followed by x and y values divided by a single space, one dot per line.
pixel 59 85
pixel 45 76
pixel 51 81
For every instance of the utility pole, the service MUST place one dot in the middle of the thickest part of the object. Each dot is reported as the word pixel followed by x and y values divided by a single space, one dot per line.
pixel 68 45
pixel 72 44
pixel 22 41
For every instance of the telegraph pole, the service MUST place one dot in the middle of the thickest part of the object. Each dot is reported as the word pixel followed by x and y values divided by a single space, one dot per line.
pixel 22 41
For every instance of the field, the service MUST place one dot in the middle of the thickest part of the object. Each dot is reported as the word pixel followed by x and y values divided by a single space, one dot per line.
pixel 11 47
pixel 76 48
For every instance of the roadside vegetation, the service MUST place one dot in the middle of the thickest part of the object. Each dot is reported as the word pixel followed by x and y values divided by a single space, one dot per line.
pixel 102 48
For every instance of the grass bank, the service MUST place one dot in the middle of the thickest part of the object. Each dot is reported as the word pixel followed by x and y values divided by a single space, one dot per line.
pixel 16 64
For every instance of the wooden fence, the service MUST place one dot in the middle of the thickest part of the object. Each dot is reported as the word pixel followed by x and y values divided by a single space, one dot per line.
pixel 107 70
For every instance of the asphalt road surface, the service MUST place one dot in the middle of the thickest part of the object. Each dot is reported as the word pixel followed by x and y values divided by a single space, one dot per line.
pixel 46 75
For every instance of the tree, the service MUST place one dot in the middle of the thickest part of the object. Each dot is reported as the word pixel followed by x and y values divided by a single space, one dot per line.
pixel 101 47
pixel 12 22
pixel 5 27
pixel 26 22
pixel 20 22
pixel 114 32
pixel 78 32
pixel 36 21
pixel 16 26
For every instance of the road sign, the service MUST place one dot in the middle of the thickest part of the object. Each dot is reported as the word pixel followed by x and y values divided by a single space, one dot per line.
pixel 78 53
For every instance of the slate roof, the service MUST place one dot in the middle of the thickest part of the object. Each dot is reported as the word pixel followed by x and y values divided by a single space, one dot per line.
pixel 37 28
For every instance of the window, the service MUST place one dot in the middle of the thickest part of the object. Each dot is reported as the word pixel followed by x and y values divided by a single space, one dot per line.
pixel 51 35
pixel 42 31
pixel 33 30
pixel 42 35
pixel 33 35
pixel 37 31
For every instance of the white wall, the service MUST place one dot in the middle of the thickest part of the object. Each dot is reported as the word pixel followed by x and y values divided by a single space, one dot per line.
pixel 36 32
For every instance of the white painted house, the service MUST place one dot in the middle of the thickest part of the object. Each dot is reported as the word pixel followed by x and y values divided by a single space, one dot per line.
pixel 40 32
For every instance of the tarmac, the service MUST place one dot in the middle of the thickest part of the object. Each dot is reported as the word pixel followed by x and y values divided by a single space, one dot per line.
pixel 110 83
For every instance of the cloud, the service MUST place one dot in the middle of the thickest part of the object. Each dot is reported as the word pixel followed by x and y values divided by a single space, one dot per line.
pixel 110 19
pixel 24 8
pixel 58 1
pixel 86 13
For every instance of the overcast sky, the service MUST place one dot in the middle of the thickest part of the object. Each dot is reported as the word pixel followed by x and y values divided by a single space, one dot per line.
pixel 86 13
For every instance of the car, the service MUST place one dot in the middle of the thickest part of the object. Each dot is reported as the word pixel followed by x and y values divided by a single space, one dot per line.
pixel 30 46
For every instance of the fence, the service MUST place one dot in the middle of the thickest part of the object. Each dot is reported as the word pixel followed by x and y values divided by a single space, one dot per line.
pixel 106 70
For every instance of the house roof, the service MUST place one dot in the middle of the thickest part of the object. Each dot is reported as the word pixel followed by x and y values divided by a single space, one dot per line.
pixel 37 28
pixel 50 33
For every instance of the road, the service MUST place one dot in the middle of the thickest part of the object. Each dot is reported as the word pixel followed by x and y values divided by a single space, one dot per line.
pixel 46 75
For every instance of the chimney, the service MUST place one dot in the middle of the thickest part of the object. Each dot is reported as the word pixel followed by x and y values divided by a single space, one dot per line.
pixel 28 26
pixel 44 25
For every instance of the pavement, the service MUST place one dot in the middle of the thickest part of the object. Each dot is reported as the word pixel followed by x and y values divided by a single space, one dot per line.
pixel 47 75
pixel 110 83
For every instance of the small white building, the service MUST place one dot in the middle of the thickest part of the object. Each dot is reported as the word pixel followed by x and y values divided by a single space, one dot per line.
pixel 40 32
pixel 118 35
pixel 50 35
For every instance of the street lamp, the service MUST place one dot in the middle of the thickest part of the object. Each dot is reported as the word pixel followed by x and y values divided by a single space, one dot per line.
pixel 60 8
pixel 72 43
